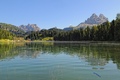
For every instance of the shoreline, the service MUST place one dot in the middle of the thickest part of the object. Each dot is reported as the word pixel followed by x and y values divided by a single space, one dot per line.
pixel 81 42
pixel 78 41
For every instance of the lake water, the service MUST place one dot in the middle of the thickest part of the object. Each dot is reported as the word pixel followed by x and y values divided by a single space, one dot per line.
pixel 59 61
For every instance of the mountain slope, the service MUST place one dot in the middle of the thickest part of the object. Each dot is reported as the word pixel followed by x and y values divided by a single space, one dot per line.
pixel 11 28
pixel 68 28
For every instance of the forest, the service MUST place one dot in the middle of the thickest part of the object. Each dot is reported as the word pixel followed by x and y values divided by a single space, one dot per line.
pixel 12 29
pixel 6 35
pixel 108 31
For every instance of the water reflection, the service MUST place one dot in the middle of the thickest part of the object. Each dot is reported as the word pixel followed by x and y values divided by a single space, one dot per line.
pixel 94 54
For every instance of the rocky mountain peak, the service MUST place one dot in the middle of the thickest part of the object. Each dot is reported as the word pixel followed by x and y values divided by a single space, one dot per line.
pixel 94 19
pixel 29 27
pixel 94 16
pixel 102 17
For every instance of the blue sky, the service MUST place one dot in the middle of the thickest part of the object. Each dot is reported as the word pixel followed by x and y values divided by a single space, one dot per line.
pixel 50 13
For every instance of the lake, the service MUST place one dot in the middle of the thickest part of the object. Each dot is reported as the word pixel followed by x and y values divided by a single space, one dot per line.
pixel 59 61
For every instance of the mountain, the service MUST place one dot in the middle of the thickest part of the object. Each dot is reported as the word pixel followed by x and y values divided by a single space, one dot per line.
pixel 29 27
pixel 11 28
pixel 55 29
pixel 68 28
pixel 93 20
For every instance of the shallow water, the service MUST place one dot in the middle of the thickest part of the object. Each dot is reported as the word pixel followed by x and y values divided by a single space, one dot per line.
pixel 59 61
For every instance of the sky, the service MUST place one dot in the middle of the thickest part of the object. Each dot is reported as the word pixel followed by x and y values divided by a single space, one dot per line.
pixel 55 13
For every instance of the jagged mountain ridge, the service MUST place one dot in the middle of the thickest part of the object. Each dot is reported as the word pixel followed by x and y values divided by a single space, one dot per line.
pixel 93 20
pixel 29 27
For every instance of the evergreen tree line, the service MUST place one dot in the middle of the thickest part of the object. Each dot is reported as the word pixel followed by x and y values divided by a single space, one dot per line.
pixel 108 31
pixel 39 35
pixel 6 35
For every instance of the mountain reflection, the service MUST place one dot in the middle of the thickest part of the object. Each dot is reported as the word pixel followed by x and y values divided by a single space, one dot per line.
pixel 94 54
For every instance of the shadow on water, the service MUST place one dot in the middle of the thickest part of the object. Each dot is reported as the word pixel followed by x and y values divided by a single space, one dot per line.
pixel 94 54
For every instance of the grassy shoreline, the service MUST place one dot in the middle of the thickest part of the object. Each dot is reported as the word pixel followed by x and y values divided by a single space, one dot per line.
pixel 5 40
pixel 11 41
pixel 21 41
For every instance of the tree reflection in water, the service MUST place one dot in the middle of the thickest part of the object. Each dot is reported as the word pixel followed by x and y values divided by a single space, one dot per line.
pixel 94 54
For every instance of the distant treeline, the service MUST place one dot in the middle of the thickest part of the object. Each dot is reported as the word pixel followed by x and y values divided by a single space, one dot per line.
pixel 39 35
pixel 108 31
pixel 105 32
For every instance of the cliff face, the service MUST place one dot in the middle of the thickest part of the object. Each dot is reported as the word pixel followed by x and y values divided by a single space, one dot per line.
pixel 29 27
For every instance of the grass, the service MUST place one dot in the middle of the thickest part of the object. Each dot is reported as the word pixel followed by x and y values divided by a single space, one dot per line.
pixel 17 40
pixel 21 40
pixel 5 40
pixel 47 39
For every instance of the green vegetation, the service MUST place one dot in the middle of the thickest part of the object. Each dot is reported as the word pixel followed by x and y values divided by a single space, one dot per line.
pixel 6 35
pixel 43 34
pixel 10 33
pixel 47 39
pixel 108 31
pixel 13 29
